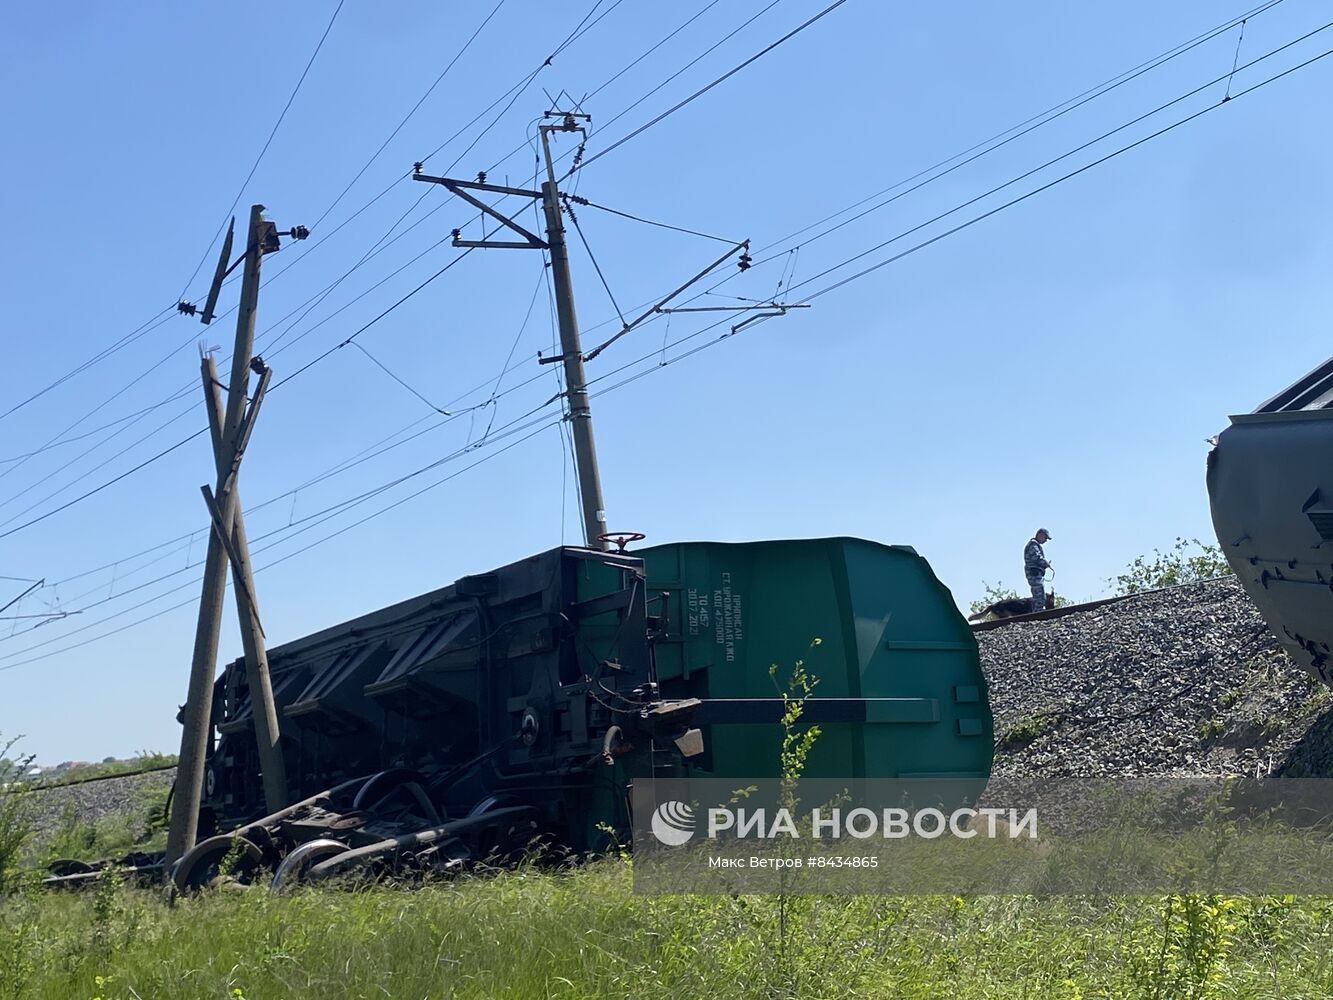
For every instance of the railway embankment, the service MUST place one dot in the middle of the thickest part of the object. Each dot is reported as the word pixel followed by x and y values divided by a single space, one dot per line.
pixel 1186 681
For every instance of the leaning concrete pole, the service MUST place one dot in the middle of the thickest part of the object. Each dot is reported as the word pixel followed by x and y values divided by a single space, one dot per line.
pixel 198 709
pixel 229 442
pixel 233 429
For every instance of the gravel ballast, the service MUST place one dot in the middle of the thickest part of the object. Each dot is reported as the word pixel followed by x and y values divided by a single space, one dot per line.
pixel 1187 681
pixel 89 801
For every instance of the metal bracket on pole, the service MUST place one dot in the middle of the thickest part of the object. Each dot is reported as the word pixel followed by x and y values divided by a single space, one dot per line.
pixel 781 311
pixel 36 585
pixel 461 188
pixel 743 247
pixel 247 426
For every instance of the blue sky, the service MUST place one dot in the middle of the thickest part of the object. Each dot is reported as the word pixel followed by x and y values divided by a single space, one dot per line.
pixel 1060 363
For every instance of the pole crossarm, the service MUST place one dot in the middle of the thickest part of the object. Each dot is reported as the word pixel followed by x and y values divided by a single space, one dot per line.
pixel 461 188
pixel 222 271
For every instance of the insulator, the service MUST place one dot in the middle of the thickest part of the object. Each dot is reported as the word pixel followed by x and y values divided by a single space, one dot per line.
pixel 744 262
pixel 186 308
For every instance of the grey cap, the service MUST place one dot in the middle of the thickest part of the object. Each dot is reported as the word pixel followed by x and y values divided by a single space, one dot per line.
pixel 1043 531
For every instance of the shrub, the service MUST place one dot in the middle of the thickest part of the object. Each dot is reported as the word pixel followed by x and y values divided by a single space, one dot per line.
pixel 16 826
pixel 1169 569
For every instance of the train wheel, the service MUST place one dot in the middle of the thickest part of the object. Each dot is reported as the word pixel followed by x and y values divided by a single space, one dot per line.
pixel 294 866
pixel 379 785
pixel 64 867
pixel 510 840
pixel 204 864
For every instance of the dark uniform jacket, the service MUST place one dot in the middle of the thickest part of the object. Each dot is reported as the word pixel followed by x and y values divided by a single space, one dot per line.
pixel 1034 559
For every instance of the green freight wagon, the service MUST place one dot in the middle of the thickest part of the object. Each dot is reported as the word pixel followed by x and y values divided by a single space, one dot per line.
pixel 525 701
pixel 899 691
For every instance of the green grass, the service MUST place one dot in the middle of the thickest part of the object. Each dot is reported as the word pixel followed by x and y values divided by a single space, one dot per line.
pixel 1027 731
pixel 1210 729
pixel 586 934
pixel 1320 699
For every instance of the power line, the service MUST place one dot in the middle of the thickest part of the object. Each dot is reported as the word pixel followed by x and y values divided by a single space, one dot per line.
pixel 102 464
pixel 515 426
pixel 96 430
pixel 408 117
pixel 712 48
pixel 272 348
pixel 310 521
pixel 505 368
pixel 191 437
pixel 1009 135
pixel 986 215
pixel 512 95
pixel 662 41
pixel 299 371
pixel 382 367
pixel 139 331
pixel 111 482
pixel 132 418
pixel 339 508
pixel 965 225
pixel 705 89
pixel 267 142
pixel 371 451
pixel 19 463
pixel 581 29
pixel 1078 149
pixel 804 283
pixel 167 451
pixel 533 431
pixel 650 222
pixel 413 292
pixel 596 266
pixel 336 347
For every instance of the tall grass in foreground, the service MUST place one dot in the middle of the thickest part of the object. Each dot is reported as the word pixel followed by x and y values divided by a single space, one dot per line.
pixel 16 826
pixel 584 933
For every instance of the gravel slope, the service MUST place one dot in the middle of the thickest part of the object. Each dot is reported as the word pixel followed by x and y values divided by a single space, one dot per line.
pixel 1182 682
pixel 93 800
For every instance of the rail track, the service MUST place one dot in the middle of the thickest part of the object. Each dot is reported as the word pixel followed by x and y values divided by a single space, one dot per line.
pixel 1074 609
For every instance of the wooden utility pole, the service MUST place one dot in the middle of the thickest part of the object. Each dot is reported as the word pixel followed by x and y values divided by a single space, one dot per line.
pixel 231 429
pixel 571 351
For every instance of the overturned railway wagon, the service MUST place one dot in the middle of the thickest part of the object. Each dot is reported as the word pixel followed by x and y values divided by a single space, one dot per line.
pixel 1270 484
pixel 524 701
